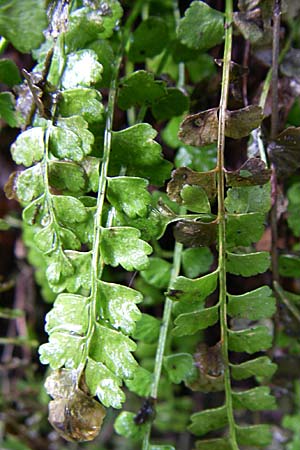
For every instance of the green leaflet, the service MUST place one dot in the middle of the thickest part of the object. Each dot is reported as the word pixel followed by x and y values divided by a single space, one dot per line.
pixel 254 305
pixel 244 229
pixel 80 279
pixel 68 177
pixel 28 184
pixel 47 239
pixel 103 383
pixel 91 22
pixel 125 426
pixel 191 293
pixel 82 102
pixel 152 226
pixel 294 208
pixel 113 349
pixel 106 55
pixel 113 242
pixel 202 27
pixel 16 19
pixel 174 102
pixel 255 399
pixel 7 109
pixel 9 72
pixel 196 261
pixel 141 382
pixel 190 323
pixel 260 367
pixel 208 420
pixel 68 209
pixel 148 40
pixel 130 195
pixel 195 199
pixel 248 199
pixel 147 329
pixel 90 165
pixel 29 147
pixel 70 314
pixel 135 148
pixel 59 268
pixel 247 264
pixel 63 349
pixel 139 88
pixel 117 305
pixel 250 340
pixel 180 367
pixel 71 139
pixel 289 265
pixel 82 69
pixel 203 159
pixel 157 273
pixel 258 435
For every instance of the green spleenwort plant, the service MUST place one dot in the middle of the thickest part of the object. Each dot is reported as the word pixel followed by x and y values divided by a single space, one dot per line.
pixel 246 203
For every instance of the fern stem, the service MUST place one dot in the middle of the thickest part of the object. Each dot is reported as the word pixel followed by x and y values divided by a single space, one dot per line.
pixel 97 264
pixel 163 336
pixel 174 274
pixel 222 223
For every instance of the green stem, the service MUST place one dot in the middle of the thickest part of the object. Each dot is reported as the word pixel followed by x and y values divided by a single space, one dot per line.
pixel 165 322
pixel 163 336
pixel 97 264
pixel 162 340
pixel 222 222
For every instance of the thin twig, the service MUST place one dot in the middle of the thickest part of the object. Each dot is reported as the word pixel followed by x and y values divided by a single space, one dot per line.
pixel 290 306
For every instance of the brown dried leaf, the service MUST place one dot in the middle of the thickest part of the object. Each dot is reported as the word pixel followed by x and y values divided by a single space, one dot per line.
pixel 202 128
pixel 236 74
pixel 10 186
pixel 250 24
pixel 195 233
pixel 210 364
pixel 254 20
pixel 284 152
pixel 252 173
pixel 241 122
pixel 185 176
